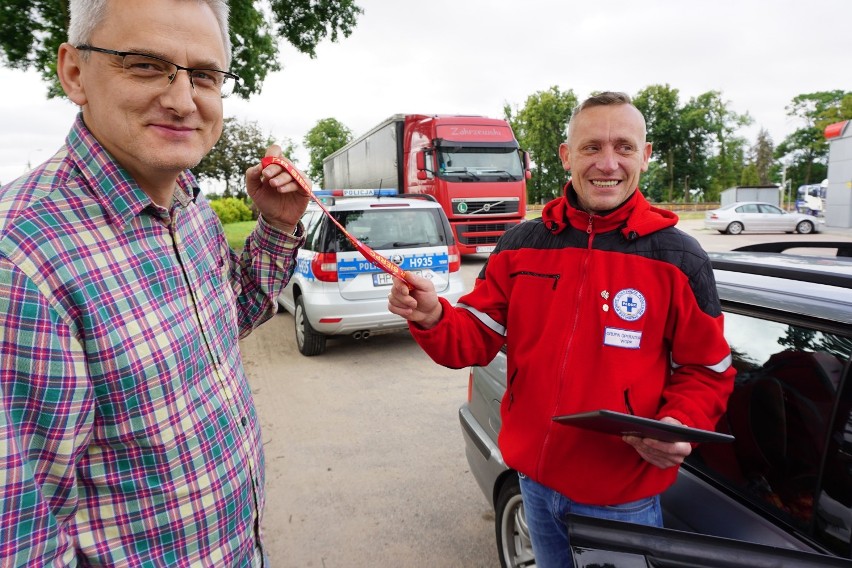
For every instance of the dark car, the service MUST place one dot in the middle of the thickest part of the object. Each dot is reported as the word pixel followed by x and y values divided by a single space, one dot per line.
pixel 786 480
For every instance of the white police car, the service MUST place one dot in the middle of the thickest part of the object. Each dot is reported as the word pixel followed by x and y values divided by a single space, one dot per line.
pixel 335 291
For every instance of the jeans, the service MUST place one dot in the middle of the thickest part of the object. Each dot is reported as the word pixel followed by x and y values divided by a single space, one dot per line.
pixel 546 512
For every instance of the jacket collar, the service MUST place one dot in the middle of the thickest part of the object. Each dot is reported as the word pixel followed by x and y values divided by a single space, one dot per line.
pixel 634 218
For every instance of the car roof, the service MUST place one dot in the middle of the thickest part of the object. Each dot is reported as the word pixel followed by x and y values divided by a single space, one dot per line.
pixel 738 203
pixel 360 203
pixel 810 286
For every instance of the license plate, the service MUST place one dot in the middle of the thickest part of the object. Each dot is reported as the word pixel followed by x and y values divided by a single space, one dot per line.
pixel 385 279
pixel 485 249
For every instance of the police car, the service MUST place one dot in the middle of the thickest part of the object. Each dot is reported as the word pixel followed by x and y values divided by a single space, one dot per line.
pixel 335 291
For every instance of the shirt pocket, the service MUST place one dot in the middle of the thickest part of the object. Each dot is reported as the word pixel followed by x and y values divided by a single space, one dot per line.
pixel 536 279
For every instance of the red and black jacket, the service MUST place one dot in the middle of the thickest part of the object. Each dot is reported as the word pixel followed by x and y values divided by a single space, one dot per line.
pixel 616 312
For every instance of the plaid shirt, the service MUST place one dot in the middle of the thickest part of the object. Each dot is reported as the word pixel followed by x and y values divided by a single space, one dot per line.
pixel 128 435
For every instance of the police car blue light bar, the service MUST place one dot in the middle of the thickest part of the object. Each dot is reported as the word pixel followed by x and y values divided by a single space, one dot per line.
pixel 387 192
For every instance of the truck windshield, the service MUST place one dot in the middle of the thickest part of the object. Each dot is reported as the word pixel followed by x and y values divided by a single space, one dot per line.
pixel 475 164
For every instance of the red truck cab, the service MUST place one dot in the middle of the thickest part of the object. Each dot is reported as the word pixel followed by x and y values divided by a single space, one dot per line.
pixel 472 165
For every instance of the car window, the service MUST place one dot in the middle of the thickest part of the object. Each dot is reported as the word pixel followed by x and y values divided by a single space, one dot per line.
pixel 764 208
pixel 392 228
pixel 781 410
pixel 311 221
pixel 747 208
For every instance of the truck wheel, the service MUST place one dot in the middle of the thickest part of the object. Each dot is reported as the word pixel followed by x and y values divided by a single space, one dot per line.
pixel 805 227
pixel 309 342
pixel 513 535
pixel 735 228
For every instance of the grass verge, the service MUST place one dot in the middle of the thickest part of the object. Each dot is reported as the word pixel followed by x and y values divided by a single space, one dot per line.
pixel 236 233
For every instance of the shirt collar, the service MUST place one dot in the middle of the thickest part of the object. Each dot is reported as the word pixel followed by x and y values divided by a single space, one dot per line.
pixel 117 192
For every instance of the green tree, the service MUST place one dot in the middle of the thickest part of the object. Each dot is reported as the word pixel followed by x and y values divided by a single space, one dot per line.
pixel 326 137
pixel 845 107
pixel 540 128
pixel 691 158
pixel 724 150
pixel 749 175
pixel 31 31
pixel 695 145
pixel 762 155
pixel 806 149
pixel 653 182
pixel 660 104
pixel 241 146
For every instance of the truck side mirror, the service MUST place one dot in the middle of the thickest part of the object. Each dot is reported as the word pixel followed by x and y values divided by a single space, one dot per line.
pixel 421 165
pixel 527 172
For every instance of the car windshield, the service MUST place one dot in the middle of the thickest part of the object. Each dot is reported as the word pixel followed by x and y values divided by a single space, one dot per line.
pixel 391 228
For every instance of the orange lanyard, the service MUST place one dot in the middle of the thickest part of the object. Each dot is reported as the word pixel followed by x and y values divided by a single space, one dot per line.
pixel 375 258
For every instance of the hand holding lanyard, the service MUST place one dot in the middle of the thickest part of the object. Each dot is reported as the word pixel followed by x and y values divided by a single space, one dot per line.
pixel 376 259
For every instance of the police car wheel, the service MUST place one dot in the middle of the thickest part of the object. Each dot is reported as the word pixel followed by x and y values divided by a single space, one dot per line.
pixel 309 342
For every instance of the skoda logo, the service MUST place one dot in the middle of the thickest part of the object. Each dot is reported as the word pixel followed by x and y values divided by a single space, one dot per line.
pixel 462 207
pixel 396 259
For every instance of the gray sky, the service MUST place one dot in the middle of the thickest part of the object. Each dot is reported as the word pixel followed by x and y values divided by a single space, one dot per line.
pixel 474 56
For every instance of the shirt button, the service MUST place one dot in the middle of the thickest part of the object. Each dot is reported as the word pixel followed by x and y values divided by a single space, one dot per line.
pixel 243 421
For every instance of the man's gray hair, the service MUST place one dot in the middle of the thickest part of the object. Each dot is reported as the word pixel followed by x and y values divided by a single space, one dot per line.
pixel 601 99
pixel 87 15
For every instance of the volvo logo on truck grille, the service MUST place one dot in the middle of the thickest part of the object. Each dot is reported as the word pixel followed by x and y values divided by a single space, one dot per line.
pixel 493 206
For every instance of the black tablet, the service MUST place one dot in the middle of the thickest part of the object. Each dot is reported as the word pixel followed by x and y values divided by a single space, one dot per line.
pixel 620 424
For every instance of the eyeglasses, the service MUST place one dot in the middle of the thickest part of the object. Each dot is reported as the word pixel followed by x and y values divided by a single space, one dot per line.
pixel 156 73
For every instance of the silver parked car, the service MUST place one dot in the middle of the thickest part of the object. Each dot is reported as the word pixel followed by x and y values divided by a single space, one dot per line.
pixel 335 291
pixel 757 216
pixel 786 481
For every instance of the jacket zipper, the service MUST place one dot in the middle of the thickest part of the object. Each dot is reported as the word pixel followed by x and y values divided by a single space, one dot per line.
pixel 580 289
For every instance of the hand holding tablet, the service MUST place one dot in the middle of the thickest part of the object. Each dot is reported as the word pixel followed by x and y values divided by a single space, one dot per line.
pixel 620 424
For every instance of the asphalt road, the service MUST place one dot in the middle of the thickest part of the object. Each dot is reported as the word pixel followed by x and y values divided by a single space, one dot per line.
pixel 365 461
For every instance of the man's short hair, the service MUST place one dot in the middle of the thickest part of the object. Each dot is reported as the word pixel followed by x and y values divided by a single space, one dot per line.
pixel 86 15
pixel 601 99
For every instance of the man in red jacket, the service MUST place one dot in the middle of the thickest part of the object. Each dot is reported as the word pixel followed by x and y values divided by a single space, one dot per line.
pixel 602 304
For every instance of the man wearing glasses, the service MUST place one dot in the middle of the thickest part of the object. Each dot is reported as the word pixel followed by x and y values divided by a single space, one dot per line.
pixel 128 434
